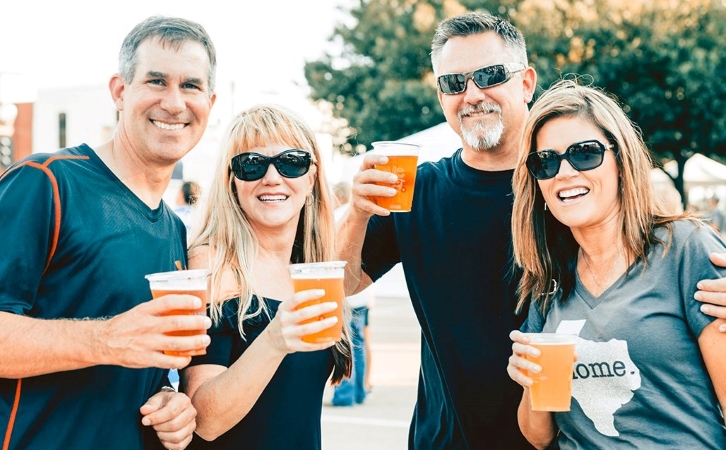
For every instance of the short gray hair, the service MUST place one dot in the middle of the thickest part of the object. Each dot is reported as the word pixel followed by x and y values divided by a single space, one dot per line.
pixel 169 30
pixel 477 23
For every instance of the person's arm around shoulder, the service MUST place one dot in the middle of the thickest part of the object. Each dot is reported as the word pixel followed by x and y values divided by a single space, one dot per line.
pixel 224 395
pixel 351 229
pixel 713 348
pixel 712 293
pixel 538 427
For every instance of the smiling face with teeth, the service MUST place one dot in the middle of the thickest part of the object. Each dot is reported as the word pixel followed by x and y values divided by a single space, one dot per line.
pixel 165 108
pixel 489 120
pixel 580 200
pixel 274 201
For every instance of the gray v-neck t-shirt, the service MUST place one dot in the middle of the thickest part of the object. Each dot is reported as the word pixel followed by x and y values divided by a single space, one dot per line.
pixel 640 380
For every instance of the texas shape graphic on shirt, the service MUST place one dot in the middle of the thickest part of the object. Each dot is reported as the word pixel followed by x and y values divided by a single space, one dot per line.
pixel 604 379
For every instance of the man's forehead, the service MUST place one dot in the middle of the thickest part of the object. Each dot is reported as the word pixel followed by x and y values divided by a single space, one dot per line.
pixel 154 44
pixel 187 59
pixel 467 53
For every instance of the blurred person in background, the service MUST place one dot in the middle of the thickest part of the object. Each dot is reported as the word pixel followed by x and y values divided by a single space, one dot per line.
pixel 82 364
pixel 260 386
pixel 353 391
pixel 186 200
pixel 715 216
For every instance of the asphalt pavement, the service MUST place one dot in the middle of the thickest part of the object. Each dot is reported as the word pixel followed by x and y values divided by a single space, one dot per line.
pixel 382 422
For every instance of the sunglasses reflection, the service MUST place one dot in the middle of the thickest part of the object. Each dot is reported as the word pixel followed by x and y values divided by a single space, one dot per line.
pixel 251 166
pixel 486 77
pixel 582 156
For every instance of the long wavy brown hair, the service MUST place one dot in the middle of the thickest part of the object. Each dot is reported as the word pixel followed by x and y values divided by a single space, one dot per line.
pixel 544 248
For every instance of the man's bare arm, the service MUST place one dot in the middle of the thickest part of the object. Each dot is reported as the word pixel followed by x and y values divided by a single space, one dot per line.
pixel 135 339
pixel 351 229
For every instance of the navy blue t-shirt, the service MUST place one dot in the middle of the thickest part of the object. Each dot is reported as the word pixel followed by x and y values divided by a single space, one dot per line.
pixel 77 244
pixel 455 248
pixel 287 413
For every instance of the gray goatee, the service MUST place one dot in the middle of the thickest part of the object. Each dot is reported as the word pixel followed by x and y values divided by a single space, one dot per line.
pixel 480 136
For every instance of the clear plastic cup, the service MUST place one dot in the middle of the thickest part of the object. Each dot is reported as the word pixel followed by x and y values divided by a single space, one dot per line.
pixel 402 161
pixel 191 282
pixel 552 388
pixel 327 276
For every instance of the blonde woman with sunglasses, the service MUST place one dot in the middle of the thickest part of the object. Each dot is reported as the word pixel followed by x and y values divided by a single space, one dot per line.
pixel 601 259
pixel 260 386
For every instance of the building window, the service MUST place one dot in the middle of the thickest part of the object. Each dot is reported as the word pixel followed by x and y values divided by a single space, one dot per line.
pixel 62 130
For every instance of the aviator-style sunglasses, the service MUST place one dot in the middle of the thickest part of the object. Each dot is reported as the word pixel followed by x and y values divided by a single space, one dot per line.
pixel 291 163
pixel 486 77
pixel 586 155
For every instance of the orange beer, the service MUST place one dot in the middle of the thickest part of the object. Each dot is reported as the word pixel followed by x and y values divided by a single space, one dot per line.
pixel 184 282
pixel 402 161
pixel 552 388
pixel 405 168
pixel 327 276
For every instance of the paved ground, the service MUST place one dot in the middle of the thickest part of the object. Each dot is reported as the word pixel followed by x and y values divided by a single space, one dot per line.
pixel 381 423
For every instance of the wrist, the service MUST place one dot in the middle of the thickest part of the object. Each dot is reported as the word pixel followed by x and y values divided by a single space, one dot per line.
pixel 95 341
pixel 277 348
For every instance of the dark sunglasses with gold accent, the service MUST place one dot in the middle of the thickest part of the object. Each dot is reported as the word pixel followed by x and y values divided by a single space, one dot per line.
pixel 291 163
pixel 486 77
pixel 582 156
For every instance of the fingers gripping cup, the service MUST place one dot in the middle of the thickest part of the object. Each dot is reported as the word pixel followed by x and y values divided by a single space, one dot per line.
pixel 552 388
pixel 191 282
pixel 402 161
pixel 327 276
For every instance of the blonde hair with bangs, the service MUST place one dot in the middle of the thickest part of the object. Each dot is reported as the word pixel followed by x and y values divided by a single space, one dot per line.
pixel 549 274
pixel 225 227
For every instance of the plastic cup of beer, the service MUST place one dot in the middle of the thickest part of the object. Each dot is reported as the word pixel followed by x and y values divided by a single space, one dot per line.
pixel 552 387
pixel 191 282
pixel 402 161
pixel 327 276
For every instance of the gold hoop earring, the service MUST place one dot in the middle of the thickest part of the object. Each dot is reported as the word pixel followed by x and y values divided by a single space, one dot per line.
pixel 309 199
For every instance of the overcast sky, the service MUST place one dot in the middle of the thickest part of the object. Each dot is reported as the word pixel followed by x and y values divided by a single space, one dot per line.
pixel 261 45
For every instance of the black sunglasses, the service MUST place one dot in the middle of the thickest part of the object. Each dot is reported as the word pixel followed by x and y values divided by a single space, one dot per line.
pixel 253 166
pixel 586 155
pixel 455 83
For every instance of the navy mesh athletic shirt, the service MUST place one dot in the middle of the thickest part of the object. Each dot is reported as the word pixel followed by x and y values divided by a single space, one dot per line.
pixel 77 244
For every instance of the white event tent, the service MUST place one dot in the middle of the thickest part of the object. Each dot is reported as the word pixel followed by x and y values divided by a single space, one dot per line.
pixel 703 177
pixel 701 171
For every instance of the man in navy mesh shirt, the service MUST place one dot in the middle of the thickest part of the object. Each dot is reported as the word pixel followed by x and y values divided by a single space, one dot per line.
pixel 82 364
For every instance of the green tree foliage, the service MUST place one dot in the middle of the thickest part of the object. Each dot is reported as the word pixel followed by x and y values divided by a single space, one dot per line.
pixel 382 83
pixel 663 60
pixel 379 81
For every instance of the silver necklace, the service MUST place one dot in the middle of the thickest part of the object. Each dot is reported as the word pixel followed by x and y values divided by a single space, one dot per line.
pixel 591 273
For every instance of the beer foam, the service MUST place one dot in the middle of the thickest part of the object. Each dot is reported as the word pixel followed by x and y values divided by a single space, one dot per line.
pixel 316 276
